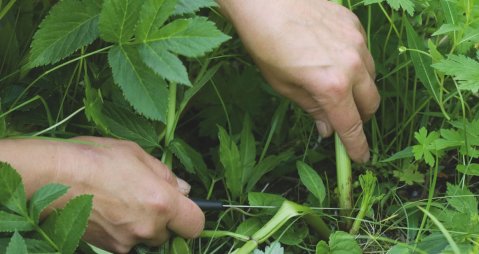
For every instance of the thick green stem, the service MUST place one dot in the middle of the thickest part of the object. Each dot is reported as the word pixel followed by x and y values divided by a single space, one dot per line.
pixel 316 222
pixel 343 169
pixel 167 157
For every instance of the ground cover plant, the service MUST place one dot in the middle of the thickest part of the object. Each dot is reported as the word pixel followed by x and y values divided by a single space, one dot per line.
pixel 172 76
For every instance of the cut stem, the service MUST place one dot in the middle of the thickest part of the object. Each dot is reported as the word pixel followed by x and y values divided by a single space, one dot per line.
pixel 344 175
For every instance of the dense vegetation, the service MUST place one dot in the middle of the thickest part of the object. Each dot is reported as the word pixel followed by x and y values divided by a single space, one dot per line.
pixel 162 80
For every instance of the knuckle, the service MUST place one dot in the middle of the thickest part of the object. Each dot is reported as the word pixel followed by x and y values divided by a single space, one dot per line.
pixel 354 60
pixel 357 39
pixel 337 86
pixel 122 248
pixel 160 204
pixel 145 231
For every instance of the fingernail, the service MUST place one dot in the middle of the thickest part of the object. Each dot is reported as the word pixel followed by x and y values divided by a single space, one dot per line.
pixel 366 157
pixel 183 186
pixel 322 127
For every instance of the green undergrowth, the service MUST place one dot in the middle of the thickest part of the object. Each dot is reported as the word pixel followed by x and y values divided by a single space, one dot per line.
pixel 175 79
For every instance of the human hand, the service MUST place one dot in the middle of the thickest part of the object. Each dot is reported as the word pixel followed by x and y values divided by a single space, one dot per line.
pixel 313 52
pixel 137 199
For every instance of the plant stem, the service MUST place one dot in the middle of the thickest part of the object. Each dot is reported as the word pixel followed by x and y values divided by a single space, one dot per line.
pixel 343 170
pixel 170 125
pixel 220 233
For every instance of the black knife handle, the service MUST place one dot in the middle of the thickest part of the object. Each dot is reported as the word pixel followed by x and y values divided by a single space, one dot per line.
pixel 208 205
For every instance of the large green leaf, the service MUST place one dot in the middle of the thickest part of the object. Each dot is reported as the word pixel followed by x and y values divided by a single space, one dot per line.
pixel 164 63
pixel 462 200
pixel 343 243
pixel 118 20
pixel 189 37
pixel 266 166
pixel 12 222
pixel 191 160
pixel 124 124
pixel 12 192
pixel 153 14
pixel 71 223
pixel 145 91
pixel 190 6
pixel 422 63
pixel 44 197
pixel 17 245
pixel 311 179
pixel 247 148
pixel 231 161
pixel 69 26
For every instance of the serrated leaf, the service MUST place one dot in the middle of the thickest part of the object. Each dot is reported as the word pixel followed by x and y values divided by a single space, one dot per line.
pixel 118 19
pixel 43 197
pixel 17 245
pixel 422 64
pixel 145 91
pixel 463 69
pixel 274 248
pixel 71 223
pixel 12 222
pixel 191 159
pixel 153 14
pixel 406 5
pixel 462 200
pixel 69 26
pixel 12 192
pixel 191 6
pixel 231 161
pixel 471 169
pixel 164 63
pixel 409 175
pixel 343 243
pixel 311 179
pixel 189 37
pixel 124 124
pixel 179 246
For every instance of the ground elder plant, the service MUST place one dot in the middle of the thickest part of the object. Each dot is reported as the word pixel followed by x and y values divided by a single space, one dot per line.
pixel 172 76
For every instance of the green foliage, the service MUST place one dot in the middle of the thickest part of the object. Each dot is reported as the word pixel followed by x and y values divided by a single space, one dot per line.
pixel 339 243
pixel 311 179
pixel 409 174
pixel 70 25
pixel 463 69
pixel 179 246
pixel 426 148
pixel 61 232
pixel 274 248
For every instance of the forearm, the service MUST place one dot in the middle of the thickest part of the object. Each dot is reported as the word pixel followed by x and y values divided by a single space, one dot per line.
pixel 35 160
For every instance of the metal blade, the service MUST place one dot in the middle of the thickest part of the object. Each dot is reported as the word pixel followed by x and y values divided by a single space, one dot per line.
pixel 277 207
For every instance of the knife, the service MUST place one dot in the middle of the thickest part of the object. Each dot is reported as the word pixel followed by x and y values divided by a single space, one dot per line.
pixel 209 205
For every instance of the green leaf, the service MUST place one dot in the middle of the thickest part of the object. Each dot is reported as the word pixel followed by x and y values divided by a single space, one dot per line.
pixel 406 5
pixel 179 246
pixel 12 193
pixel 153 14
pixel 462 200
pixel 292 234
pixel 249 226
pixel 322 248
pixel 399 249
pixel 164 63
pixel 471 169
pixel 274 248
pixel 265 166
pixel 409 175
pixel 17 245
pixel 265 199
pixel 311 179
pixel 189 37
pixel 231 161
pixel 425 148
pixel 191 6
pixel 12 222
pixel 71 223
pixel 191 159
pixel 69 26
pixel 124 124
pixel 463 69
pixel 247 148
pixel 118 20
pixel 403 154
pixel 343 243
pixel 422 63
pixel 145 91
pixel 43 197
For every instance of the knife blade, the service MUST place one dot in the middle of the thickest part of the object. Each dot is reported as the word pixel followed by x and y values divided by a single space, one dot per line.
pixel 209 205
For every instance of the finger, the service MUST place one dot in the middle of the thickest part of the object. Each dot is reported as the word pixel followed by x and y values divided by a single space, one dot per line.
pixel 368 62
pixel 160 169
pixel 188 220
pixel 366 97
pixel 345 119
pixel 303 98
